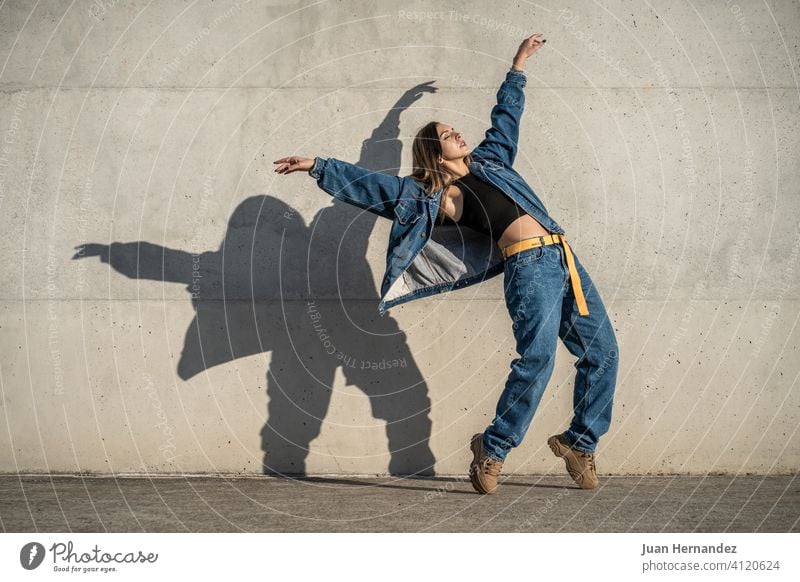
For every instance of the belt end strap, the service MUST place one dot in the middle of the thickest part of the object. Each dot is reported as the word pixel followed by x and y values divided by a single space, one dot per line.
pixel 574 277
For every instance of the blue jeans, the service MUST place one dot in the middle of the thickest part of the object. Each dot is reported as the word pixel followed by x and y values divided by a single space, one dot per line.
pixel 542 306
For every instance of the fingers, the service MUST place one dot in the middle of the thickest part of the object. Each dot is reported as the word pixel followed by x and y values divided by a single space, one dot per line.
pixel 532 44
pixel 285 165
pixel 535 42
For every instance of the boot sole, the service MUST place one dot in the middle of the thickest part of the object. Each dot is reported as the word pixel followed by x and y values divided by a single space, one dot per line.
pixel 558 449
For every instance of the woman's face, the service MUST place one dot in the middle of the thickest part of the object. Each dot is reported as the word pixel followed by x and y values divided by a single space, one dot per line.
pixel 453 145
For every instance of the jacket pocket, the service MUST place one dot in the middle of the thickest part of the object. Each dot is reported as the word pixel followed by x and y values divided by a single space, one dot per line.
pixel 406 212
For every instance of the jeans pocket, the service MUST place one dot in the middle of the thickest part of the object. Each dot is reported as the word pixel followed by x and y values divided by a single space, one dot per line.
pixel 529 256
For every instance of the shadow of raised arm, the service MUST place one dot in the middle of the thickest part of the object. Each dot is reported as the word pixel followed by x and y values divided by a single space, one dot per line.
pixel 141 260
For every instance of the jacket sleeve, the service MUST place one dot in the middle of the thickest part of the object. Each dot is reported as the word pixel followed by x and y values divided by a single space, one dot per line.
pixel 373 191
pixel 501 139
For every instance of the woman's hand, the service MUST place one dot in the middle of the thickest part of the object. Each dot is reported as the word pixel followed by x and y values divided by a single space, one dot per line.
pixel 528 47
pixel 293 164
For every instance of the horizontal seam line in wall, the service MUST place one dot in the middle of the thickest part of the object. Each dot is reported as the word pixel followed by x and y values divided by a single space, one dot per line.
pixel 15 89
pixel 337 299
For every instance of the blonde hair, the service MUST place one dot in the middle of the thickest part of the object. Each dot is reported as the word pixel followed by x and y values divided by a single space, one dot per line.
pixel 425 152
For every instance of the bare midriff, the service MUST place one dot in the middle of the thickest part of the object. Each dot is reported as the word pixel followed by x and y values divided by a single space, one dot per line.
pixel 523 227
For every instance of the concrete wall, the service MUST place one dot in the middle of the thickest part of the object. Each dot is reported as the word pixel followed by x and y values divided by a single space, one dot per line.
pixel 186 336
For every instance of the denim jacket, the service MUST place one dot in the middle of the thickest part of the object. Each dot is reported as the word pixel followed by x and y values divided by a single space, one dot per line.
pixel 422 260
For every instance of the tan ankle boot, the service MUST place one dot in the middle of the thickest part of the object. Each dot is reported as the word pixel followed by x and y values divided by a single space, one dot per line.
pixel 483 470
pixel 580 465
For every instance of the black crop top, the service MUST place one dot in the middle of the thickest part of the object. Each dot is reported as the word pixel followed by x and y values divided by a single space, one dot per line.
pixel 487 209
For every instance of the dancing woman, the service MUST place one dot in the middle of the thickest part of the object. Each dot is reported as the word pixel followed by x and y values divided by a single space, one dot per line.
pixel 506 229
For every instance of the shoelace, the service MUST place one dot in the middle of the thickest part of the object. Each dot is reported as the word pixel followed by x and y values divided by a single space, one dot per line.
pixel 492 467
pixel 590 458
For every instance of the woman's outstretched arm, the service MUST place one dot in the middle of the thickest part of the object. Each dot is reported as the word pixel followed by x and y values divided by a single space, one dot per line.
pixel 501 139
pixel 373 191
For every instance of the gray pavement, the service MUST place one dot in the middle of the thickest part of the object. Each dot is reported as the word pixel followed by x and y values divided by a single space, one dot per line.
pixel 710 503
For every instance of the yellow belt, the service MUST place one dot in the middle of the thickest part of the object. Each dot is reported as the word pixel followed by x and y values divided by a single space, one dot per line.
pixel 550 239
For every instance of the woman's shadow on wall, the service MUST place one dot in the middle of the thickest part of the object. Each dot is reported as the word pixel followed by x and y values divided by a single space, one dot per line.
pixel 263 291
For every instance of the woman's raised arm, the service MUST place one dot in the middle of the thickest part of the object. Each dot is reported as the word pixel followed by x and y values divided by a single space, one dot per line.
pixel 374 191
pixel 501 139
